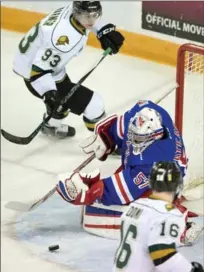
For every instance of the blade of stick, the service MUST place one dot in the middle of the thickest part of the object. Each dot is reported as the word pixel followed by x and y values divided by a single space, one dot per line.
pixel 42 200
pixel 17 206
pixel 24 207
pixel 24 140
pixel 53 190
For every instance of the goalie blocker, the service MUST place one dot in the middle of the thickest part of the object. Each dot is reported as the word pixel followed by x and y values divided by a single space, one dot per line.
pixel 122 187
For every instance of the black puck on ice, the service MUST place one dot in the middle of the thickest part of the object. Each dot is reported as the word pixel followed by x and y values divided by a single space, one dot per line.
pixel 53 247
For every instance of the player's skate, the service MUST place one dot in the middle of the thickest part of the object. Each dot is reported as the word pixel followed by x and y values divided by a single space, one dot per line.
pixel 61 132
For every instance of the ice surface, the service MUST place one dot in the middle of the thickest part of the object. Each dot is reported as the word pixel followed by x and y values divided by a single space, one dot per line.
pixel 56 222
pixel 29 172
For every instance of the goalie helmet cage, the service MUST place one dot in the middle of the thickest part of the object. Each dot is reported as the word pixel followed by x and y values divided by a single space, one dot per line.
pixel 190 82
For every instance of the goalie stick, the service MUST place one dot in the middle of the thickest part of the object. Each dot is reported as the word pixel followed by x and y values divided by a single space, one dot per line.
pixel 20 207
pixel 25 207
pixel 26 140
pixel 166 94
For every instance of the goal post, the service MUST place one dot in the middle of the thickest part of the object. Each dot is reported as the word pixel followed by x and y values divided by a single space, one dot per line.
pixel 183 100
pixel 190 59
pixel 189 111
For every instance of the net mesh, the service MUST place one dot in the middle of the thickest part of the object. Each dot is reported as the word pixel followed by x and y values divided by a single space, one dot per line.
pixel 193 116
pixel 194 63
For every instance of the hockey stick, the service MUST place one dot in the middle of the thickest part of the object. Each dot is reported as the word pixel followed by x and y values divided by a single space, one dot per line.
pixel 22 206
pixel 166 94
pixel 18 206
pixel 25 207
pixel 26 140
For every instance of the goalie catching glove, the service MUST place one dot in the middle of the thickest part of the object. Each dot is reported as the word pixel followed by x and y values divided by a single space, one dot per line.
pixel 80 188
pixel 101 142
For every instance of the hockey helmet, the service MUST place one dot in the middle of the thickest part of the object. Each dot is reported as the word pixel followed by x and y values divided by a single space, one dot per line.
pixel 166 177
pixel 87 12
pixel 145 128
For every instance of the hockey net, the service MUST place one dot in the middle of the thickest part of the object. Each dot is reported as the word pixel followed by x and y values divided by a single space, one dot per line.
pixel 189 112
pixel 187 106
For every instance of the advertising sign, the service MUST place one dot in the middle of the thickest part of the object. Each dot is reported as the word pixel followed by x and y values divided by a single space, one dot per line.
pixel 182 19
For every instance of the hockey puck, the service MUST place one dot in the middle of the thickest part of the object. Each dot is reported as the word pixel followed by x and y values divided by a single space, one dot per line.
pixel 53 247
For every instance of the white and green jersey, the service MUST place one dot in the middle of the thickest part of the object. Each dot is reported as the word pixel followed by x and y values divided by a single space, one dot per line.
pixel 150 233
pixel 46 49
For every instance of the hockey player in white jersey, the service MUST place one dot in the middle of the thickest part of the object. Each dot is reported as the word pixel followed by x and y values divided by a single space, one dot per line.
pixel 152 227
pixel 46 49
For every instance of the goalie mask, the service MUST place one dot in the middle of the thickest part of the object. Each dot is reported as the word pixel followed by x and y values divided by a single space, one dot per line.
pixel 87 12
pixel 144 128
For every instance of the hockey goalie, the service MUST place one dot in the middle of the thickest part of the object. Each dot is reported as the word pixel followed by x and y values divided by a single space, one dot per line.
pixel 145 134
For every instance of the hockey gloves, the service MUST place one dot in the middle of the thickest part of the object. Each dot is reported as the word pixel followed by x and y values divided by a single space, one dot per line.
pixel 80 188
pixel 101 143
pixel 109 37
pixel 52 100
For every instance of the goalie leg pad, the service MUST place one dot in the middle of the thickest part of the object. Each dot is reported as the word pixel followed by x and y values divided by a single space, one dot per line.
pixel 101 221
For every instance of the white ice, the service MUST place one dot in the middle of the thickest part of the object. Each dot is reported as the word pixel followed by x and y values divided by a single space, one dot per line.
pixel 28 172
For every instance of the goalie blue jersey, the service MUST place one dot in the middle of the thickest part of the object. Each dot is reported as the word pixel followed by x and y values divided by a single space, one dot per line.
pixel 132 181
